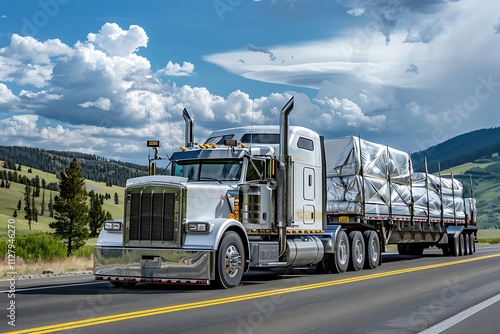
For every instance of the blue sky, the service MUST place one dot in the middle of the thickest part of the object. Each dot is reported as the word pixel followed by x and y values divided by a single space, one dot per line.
pixel 102 77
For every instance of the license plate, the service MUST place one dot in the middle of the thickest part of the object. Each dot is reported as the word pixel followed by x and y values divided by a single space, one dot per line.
pixel 343 219
pixel 150 264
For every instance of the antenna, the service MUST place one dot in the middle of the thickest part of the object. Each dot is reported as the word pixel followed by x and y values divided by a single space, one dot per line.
pixel 251 131
pixel 149 119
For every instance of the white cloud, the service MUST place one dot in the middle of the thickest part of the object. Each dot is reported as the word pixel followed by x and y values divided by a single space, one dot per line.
pixel 29 49
pixel 127 148
pixel 388 14
pixel 102 103
pixel 426 32
pixel 118 42
pixel 172 69
pixel 27 61
pixel 6 96
pixel 496 26
pixel 20 126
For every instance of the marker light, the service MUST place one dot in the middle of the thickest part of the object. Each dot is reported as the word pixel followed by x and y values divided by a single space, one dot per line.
pixel 111 225
pixel 198 227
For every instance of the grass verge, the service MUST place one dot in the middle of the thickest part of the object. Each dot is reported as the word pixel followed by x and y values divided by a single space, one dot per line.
pixel 30 269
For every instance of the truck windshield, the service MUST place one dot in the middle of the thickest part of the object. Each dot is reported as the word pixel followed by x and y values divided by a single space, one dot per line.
pixel 206 170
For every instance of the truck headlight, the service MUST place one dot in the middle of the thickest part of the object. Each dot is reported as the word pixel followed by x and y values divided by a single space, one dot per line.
pixel 198 227
pixel 111 225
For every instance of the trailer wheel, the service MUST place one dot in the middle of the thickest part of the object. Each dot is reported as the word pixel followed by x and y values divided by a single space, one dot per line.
pixel 403 249
pixel 472 244
pixel 467 244
pixel 455 246
pixel 446 249
pixel 230 260
pixel 461 243
pixel 339 261
pixel 357 251
pixel 372 249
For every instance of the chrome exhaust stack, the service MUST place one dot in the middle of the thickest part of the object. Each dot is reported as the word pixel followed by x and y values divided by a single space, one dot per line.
pixel 189 135
pixel 284 189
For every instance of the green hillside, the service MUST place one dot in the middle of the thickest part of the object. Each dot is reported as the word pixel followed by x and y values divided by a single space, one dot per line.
pixel 485 175
pixel 93 167
pixel 459 150
pixel 9 198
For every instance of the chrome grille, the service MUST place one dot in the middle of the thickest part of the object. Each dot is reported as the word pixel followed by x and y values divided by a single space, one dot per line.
pixel 152 216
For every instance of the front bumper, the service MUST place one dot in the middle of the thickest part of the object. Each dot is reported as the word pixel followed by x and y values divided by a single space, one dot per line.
pixel 154 265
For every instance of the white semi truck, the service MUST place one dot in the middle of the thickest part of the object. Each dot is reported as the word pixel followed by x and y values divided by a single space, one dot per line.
pixel 278 197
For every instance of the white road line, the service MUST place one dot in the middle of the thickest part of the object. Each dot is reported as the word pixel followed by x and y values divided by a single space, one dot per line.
pixel 51 287
pixel 445 324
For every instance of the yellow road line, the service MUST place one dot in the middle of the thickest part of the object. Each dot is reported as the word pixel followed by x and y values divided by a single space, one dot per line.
pixel 233 299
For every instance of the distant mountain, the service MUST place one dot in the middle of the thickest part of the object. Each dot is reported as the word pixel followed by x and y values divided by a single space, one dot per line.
pixel 471 156
pixel 458 150
pixel 93 167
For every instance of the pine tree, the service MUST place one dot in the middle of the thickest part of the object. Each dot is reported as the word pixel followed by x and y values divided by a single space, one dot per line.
pixel 19 205
pixel 51 206
pixel 42 211
pixel 116 198
pixel 71 208
pixel 97 216
pixel 34 210
pixel 27 205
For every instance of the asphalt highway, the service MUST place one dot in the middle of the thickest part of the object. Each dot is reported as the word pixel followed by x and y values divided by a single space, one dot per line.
pixel 429 294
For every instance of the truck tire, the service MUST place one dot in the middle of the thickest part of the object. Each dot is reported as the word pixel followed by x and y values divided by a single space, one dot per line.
pixel 403 249
pixel 357 250
pixel 455 246
pixel 461 243
pixel 230 261
pixel 446 249
pixel 372 249
pixel 416 249
pixel 467 244
pixel 339 261
pixel 472 244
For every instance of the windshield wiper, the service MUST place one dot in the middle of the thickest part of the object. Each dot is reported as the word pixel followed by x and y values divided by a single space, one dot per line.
pixel 205 178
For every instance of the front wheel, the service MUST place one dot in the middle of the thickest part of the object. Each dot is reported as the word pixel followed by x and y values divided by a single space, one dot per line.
pixel 230 260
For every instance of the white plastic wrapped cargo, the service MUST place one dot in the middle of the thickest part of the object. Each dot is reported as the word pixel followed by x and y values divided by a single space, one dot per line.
pixel 346 208
pixel 343 207
pixel 350 189
pixel 379 194
pixel 451 196
pixel 345 156
pixel 400 199
pixel 443 184
pixel 470 209
pixel 453 207
pixel 420 198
